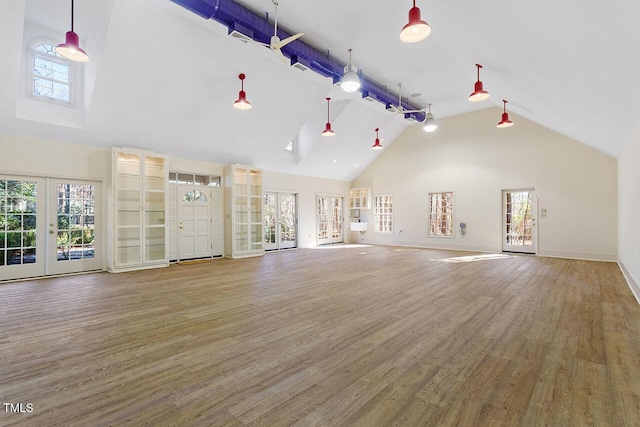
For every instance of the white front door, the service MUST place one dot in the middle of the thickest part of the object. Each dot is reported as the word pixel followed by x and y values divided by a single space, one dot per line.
pixel 75 238
pixel 194 222
pixel 519 218
pixel 329 219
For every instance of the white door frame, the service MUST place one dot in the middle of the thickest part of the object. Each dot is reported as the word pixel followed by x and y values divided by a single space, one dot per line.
pixel 525 249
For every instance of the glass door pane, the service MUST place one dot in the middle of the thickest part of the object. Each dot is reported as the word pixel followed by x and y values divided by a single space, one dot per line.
pixel 519 218
pixel 75 230
pixel 270 217
pixel 288 221
pixel 336 221
pixel 22 227
pixel 323 220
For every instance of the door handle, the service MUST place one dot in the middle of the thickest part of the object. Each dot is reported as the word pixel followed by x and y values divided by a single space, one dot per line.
pixel 181 226
pixel 51 231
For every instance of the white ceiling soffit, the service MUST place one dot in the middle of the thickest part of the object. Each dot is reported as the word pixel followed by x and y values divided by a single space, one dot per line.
pixel 164 79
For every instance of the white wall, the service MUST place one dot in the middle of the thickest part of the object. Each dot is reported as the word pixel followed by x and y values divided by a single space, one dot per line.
pixel 629 211
pixel 29 156
pixel 471 157
pixel 307 187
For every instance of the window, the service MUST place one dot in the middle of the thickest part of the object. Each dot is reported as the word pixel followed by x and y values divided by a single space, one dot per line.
pixel 50 74
pixel 383 214
pixel 193 179
pixel 441 214
pixel 195 196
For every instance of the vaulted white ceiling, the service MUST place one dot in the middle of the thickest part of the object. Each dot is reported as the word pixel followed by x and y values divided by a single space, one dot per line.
pixel 163 78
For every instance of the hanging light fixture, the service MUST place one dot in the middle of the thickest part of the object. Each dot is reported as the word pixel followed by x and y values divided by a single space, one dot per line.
pixel 71 48
pixel 416 29
pixel 242 103
pixel 478 94
pixel 327 130
pixel 505 122
pixel 377 145
pixel 350 80
pixel 430 123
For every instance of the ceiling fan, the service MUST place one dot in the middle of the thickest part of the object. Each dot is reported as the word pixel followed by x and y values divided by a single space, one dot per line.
pixel 275 43
pixel 399 109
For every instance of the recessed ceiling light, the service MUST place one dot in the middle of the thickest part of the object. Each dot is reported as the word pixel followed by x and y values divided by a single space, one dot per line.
pixel 415 95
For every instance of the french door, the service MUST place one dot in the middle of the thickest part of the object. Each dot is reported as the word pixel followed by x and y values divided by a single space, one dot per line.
pixel 74 207
pixel 519 232
pixel 280 221
pixel 329 219
pixel 48 226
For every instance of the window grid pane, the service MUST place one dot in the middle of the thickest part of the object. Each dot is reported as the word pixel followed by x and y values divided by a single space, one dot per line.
pixel 51 77
pixel 76 222
pixel 441 214
pixel 17 222
pixel 383 214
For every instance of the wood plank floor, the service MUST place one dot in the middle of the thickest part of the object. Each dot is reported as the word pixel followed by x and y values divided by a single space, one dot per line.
pixel 343 336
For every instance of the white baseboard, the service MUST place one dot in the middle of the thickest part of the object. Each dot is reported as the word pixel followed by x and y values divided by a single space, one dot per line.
pixel 587 256
pixel 633 285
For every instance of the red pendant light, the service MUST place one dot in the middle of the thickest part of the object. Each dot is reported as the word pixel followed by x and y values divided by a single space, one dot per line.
pixel 416 29
pixel 377 145
pixel 327 130
pixel 478 94
pixel 71 48
pixel 242 103
pixel 505 122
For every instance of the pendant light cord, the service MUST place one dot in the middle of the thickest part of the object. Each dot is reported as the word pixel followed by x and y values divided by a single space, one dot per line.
pixel 328 99
pixel 71 15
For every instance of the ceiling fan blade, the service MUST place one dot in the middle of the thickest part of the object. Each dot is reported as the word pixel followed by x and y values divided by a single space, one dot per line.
pixel 288 40
pixel 283 58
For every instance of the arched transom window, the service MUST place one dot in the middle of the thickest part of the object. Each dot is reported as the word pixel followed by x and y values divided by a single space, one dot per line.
pixel 195 196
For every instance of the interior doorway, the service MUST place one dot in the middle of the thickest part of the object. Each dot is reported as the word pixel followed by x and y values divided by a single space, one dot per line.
pixel 519 219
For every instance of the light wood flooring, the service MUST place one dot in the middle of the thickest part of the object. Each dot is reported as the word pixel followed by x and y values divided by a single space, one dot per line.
pixel 343 336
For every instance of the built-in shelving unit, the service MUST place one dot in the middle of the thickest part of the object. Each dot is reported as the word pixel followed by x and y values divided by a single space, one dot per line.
pixel 360 198
pixel 243 218
pixel 140 182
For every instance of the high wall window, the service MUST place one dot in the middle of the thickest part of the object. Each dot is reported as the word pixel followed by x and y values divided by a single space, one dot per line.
pixel 441 214
pixel 50 74
pixel 383 214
